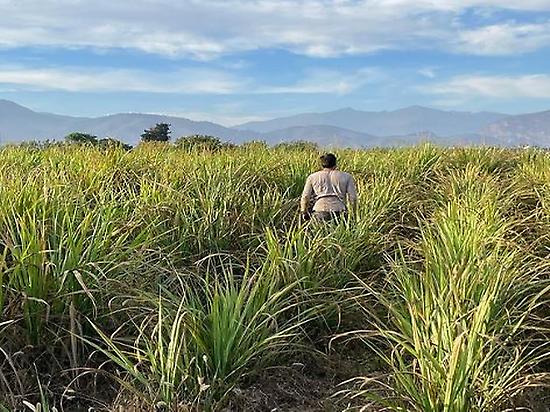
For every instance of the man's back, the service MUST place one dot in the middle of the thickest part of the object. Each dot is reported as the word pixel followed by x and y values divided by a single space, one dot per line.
pixel 331 189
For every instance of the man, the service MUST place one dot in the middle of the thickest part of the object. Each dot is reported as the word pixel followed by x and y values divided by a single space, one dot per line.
pixel 331 190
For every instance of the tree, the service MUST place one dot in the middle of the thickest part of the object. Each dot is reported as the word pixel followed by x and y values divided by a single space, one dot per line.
pixel 201 142
pixel 159 133
pixel 110 142
pixel 81 138
pixel 85 138
pixel 298 145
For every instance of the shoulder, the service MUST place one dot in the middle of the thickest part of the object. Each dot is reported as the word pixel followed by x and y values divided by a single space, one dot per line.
pixel 314 175
pixel 345 175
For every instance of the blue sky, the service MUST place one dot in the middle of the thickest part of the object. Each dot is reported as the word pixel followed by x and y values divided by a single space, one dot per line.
pixel 231 61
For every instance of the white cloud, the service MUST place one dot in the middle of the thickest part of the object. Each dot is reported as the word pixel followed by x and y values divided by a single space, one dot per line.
pixel 184 81
pixel 501 39
pixel 328 81
pixel 208 28
pixel 429 72
pixel 502 87
pixel 457 5
pixel 106 80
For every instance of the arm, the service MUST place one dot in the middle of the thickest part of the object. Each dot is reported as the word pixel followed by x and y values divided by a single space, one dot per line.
pixel 306 195
pixel 352 195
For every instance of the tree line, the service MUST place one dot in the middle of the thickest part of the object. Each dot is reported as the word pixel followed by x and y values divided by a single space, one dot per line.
pixel 161 133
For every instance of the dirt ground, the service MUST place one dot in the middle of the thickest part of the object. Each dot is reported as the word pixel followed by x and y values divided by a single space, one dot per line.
pixel 316 384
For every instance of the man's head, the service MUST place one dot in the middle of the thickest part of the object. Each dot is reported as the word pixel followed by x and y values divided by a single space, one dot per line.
pixel 328 161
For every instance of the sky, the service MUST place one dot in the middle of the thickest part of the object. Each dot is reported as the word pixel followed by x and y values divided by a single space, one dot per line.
pixel 232 61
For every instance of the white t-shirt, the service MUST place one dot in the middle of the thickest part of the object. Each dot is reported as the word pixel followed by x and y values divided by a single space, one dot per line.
pixel 331 189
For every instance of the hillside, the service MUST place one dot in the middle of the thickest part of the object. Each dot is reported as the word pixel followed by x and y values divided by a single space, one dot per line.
pixel 18 123
pixel 405 121
pixel 527 129
pixel 346 127
pixel 323 135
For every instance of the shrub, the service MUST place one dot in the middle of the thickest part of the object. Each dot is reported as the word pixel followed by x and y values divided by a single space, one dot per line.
pixel 81 138
pixel 201 142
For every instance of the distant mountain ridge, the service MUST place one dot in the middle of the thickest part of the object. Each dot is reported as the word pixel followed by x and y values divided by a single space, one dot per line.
pixel 526 129
pixel 18 123
pixel 411 119
pixel 323 135
pixel 344 127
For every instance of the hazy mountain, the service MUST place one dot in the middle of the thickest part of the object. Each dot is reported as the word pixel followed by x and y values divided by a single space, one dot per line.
pixel 466 139
pixel 526 129
pixel 346 127
pixel 18 123
pixel 406 121
pixel 414 138
pixel 129 126
pixel 323 135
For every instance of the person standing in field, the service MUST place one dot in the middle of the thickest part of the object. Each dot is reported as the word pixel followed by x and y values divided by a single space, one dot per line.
pixel 332 191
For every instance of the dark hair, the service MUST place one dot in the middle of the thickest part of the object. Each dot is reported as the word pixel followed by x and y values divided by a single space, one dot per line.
pixel 328 161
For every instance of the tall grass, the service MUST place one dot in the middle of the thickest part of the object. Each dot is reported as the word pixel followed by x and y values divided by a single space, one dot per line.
pixel 457 319
pixel 56 248
pixel 180 275
pixel 203 334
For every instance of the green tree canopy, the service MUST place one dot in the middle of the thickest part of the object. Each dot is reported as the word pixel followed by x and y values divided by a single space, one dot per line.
pixel 81 138
pixel 298 145
pixel 159 133
pixel 111 142
pixel 201 142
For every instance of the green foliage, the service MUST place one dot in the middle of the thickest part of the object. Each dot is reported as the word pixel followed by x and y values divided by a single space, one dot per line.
pixel 81 138
pixel 457 321
pixel 298 145
pixel 181 274
pixel 255 145
pixel 158 133
pixel 201 142
pixel 88 139
pixel 203 333
pixel 37 144
pixel 110 143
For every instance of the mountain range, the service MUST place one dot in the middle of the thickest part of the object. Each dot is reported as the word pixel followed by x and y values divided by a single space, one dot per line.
pixel 344 127
pixel 387 123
